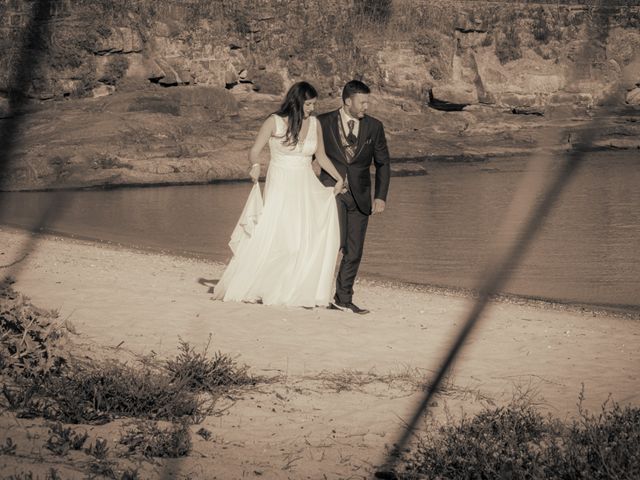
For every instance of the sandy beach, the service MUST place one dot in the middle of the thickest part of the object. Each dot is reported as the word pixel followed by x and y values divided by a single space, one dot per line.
pixel 314 422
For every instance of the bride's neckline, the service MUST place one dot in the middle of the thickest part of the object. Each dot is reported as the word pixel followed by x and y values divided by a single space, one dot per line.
pixel 300 142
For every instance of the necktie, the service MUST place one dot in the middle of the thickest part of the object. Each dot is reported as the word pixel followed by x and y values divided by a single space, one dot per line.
pixel 351 138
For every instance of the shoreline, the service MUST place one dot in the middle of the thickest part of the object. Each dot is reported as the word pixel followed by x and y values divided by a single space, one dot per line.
pixel 628 312
pixel 407 166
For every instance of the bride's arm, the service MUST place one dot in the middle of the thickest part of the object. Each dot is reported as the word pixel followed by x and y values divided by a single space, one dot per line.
pixel 267 129
pixel 326 164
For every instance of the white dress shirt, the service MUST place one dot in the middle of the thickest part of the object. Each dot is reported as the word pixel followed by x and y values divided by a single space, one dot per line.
pixel 345 117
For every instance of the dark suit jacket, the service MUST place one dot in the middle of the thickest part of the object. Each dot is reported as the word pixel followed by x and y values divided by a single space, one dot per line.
pixel 371 148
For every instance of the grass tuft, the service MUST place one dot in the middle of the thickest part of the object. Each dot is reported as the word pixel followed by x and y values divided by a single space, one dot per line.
pixel 147 439
pixel 202 373
pixel 98 449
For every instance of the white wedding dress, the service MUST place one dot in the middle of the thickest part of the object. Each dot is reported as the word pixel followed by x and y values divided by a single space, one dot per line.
pixel 285 249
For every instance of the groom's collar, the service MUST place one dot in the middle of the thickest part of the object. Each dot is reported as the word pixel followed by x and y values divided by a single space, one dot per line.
pixel 345 115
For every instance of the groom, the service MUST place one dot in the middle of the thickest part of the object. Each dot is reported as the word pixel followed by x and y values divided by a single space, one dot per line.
pixel 352 141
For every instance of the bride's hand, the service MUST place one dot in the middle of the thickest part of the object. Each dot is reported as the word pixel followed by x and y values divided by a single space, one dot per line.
pixel 339 187
pixel 254 173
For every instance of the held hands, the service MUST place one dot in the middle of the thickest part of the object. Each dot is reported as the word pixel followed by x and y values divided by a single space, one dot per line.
pixel 339 187
pixel 254 173
pixel 378 206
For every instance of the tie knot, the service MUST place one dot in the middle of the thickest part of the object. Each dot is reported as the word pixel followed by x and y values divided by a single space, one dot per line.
pixel 351 124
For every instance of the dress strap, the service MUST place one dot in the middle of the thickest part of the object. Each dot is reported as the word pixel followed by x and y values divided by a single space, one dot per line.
pixel 313 129
pixel 281 128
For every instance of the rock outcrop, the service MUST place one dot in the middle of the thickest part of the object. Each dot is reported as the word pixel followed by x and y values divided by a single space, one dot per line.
pixel 633 97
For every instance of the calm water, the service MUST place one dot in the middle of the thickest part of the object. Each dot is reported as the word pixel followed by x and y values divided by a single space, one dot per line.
pixel 438 229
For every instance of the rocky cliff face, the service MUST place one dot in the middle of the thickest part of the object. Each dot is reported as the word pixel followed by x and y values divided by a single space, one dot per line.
pixel 466 52
pixel 505 56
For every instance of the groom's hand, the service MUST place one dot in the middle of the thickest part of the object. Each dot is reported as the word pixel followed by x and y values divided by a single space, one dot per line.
pixel 378 206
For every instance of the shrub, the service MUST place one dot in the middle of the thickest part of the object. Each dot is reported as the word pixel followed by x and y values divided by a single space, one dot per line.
pixel 484 445
pixel 203 374
pixel 602 446
pixel 516 441
pixel 96 393
pixel 377 11
pixel 508 45
pixel 487 40
pixel 115 69
pixel 541 31
pixel 240 23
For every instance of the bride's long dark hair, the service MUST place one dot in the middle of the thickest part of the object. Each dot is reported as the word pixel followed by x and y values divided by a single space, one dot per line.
pixel 293 108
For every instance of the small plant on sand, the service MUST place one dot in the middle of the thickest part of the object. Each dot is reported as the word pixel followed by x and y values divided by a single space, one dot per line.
pixel 202 373
pixel 52 474
pixel 98 449
pixel 31 338
pixel 148 439
pixel 103 468
pixel 204 433
pixel 347 380
pixel 130 474
pixel 63 439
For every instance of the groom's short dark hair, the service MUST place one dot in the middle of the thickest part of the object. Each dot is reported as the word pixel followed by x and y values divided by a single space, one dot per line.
pixel 353 87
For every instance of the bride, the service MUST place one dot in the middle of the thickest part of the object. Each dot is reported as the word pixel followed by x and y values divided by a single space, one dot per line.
pixel 285 247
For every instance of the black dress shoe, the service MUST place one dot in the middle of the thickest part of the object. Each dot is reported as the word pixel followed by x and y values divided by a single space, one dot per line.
pixel 349 306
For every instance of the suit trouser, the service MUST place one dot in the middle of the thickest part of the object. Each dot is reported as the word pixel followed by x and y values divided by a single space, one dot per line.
pixel 353 227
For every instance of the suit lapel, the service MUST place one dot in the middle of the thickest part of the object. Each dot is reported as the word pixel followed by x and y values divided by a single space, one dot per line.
pixel 334 126
pixel 363 134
